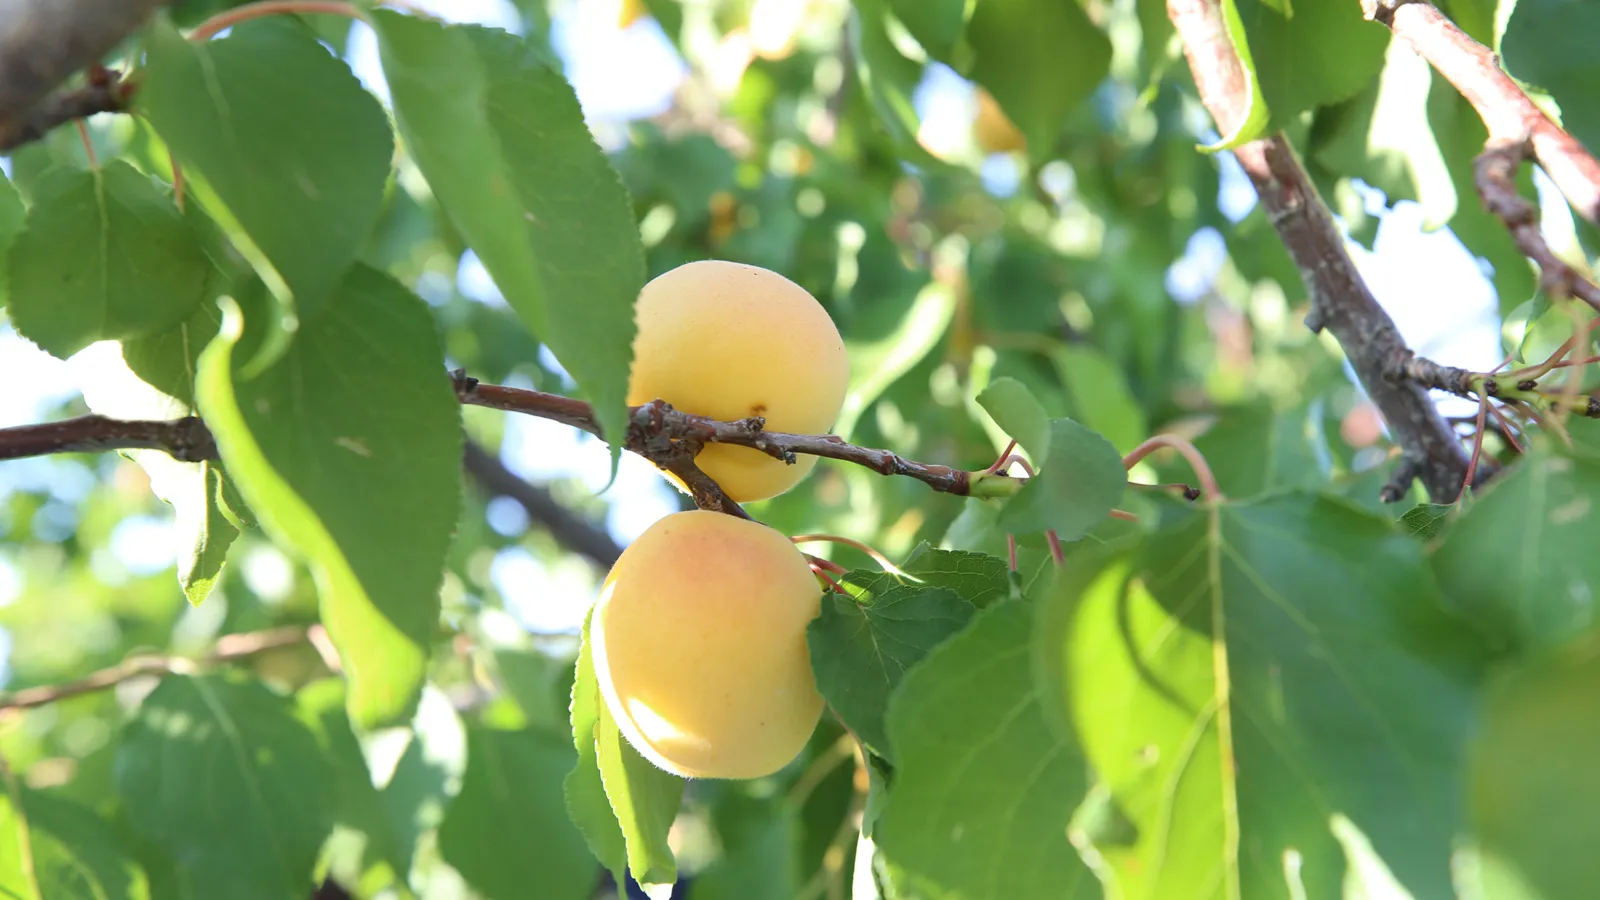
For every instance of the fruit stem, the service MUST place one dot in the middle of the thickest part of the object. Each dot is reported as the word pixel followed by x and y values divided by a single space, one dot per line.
pixel 1056 554
pixel 1197 461
pixel 1011 551
pixel 877 557
pixel 229 18
pixel 1004 455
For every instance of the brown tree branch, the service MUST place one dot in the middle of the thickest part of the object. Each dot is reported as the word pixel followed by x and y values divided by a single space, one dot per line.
pixel 569 528
pixel 228 648
pixel 1340 299
pixel 186 439
pixel 657 420
pixel 667 437
pixel 1508 113
pixel 105 92
pixel 42 42
pixel 1495 172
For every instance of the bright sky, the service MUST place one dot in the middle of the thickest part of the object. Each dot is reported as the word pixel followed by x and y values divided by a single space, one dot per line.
pixel 1424 280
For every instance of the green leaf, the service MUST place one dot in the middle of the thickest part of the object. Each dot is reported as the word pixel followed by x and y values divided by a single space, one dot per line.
pixel 1533 784
pixel 348 447
pixel 1383 137
pixel 1074 489
pixel 508 828
pixel 760 844
pixel 1099 395
pixel 498 133
pixel 416 789
pixel 153 378
pixel 1257 116
pixel 1308 55
pixel 1426 521
pixel 1254 450
pixel 1019 414
pixel 1461 136
pixel 105 255
pixel 936 24
pixel 1040 59
pixel 876 364
pixel 622 804
pixel 54 849
pixel 1234 681
pixel 862 644
pixel 888 78
pixel 221 774
pixel 1545 43
pixel 1519 561
pixel 980 579
pixel 12 217
pixel 645 800
pixel 980 800
pixel 583 788
pixel 321 705
pixel 281 144
pixel 531 678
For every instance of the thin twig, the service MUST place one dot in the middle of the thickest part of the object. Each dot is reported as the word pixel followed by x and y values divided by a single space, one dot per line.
pixel 570 529
pixel 1340 299
pixel 186 439
pixel 1495 172
pixel 240 14
pixel 228 648
pixel 105 92
pixel 680 426
pixel 42 42
pixel 1197 461
pixel 1511 117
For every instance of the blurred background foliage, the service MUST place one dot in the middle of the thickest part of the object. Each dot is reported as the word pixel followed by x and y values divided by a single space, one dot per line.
pixel 1126 279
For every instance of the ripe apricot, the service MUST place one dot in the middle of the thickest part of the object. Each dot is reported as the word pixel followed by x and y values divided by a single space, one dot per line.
pixel 729 341
pixel 699 646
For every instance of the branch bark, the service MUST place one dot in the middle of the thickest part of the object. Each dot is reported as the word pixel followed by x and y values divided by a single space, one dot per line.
pixel 1340 299
pixel 186 439
pixel 1508 113
pixel 228 647
pixel 42 42
pixel 569 528
pixel 659 420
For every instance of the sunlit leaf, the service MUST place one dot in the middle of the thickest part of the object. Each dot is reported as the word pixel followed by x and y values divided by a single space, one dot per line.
pixel 984 787
pixel 499 135
pixel 221 774
pixel 1545 45
pixel 280 142
pixel 1233 679
pixel 104 256
pixel 978 578
pixel 321 444
pixel 54 849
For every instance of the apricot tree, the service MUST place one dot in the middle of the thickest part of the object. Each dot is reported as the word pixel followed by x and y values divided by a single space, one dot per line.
pixel 1058 490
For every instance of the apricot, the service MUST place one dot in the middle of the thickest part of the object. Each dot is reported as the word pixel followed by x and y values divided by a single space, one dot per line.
pixel 699 646
pixel 729 341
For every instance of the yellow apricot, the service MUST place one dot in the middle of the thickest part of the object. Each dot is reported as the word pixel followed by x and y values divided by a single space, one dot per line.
pixel 699 646
pixel 729 341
